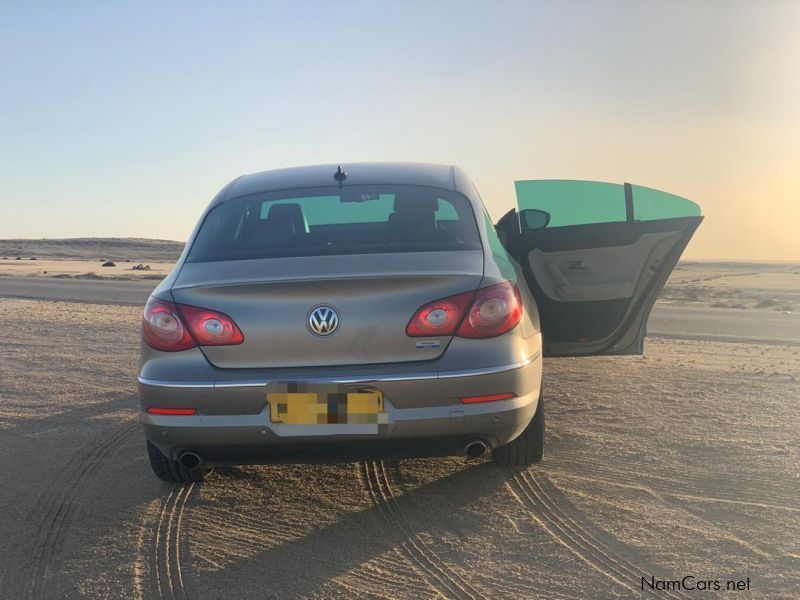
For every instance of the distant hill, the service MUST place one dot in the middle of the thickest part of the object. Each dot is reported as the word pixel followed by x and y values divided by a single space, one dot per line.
pixel 116 249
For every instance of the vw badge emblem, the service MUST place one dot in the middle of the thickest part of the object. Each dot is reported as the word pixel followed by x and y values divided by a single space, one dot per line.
pixel 323 320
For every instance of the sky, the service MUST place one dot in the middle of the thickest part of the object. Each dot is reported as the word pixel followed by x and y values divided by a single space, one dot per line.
pixel 124 119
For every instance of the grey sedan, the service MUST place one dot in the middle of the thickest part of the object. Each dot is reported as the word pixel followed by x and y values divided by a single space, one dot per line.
pixel 371 310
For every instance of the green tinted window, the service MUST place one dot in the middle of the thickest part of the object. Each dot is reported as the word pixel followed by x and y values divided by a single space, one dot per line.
pixel 357 219
pixel 586 202
pixel 650 205
pixel 327 210
pixel 445 211
pixel 573 202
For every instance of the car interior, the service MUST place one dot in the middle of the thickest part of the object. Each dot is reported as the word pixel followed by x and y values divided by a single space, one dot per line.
pixel 412 220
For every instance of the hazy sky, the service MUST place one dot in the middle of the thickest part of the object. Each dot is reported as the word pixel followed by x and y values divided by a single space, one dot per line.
pixel 124 119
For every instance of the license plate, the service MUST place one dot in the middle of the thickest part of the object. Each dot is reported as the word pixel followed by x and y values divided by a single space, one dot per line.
pixel 306 404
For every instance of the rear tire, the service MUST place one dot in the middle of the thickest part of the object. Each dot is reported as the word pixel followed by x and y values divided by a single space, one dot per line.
pixel 526 449
pixel 171 470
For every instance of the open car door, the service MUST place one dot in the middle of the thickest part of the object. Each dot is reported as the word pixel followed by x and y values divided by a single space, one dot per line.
pixel 596 256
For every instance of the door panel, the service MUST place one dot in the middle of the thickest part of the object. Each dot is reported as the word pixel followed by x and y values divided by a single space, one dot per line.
pixel 599 273
pixel 596 281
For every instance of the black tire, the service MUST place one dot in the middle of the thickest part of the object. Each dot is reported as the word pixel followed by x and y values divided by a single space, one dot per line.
pixel 171 470
pixel 526 449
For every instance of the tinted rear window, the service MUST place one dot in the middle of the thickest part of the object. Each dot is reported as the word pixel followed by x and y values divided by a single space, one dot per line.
pixel 330 220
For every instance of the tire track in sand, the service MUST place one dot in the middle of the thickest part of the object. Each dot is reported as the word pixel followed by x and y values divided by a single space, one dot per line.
pixel 228 528
pixel 440 577
pixel 750 489
pixel 166 574
pixel 38 548
pixel 535 493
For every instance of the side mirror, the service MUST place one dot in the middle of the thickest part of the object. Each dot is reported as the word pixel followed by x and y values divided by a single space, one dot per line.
pixel 533 218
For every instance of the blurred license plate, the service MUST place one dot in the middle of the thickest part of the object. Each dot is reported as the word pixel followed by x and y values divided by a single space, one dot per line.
pixel 305 404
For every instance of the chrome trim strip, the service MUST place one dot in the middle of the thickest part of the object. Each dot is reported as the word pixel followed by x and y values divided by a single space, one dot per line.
pixel 176 384
pixel 345 380
pixel 488 370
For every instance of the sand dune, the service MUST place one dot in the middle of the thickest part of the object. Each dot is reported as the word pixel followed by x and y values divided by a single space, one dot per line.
pixel 83 258
pixel 93 249
pixel 774 286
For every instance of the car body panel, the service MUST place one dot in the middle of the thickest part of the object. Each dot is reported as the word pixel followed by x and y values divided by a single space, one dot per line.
pixel 374 296
pixel 426 407
pixel 422 174
pixel 191 366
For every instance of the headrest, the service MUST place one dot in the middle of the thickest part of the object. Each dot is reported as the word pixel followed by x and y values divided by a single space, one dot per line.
pixel 289 215
pixel 415 204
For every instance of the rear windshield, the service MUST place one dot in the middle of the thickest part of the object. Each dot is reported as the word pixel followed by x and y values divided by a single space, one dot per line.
pixel 333 220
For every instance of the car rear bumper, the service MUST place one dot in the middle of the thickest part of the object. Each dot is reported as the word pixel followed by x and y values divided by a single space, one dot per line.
pixel 424 412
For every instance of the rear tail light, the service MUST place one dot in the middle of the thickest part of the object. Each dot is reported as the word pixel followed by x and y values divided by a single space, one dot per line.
pixel 489 312
pixel 171 327
pixel 211 328
pixel 495 310
pixel 162 327
pixel 440 317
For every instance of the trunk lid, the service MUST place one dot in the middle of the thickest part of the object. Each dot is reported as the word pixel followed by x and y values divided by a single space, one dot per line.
pixel 374 296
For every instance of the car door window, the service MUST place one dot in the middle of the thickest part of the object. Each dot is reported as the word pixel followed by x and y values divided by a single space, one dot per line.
pixel 573 202
pixel 590 202
pixel 651 205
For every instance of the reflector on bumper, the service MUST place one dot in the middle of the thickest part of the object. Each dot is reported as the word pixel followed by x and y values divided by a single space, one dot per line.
pixel 487 398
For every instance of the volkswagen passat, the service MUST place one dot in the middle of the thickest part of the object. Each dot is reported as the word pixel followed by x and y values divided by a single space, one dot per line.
pixel 335 313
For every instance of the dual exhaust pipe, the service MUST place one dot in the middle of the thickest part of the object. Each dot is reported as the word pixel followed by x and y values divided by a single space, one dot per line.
pixel 190 460
pixel 475 449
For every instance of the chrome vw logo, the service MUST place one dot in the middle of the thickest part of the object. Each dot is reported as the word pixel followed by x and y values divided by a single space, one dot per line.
pixel 323 320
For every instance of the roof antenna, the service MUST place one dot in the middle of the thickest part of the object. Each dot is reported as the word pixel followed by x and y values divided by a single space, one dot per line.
pixel 340 175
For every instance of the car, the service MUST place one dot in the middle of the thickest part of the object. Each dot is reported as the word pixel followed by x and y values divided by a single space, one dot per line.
pixel 374 310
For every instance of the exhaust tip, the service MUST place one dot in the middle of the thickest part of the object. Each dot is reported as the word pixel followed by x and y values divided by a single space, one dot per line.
pixel 475 449
pixel 190 460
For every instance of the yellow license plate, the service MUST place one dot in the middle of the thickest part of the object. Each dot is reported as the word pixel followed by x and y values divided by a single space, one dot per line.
pixel 326 407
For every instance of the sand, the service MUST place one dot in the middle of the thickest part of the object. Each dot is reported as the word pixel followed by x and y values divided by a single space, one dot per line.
pixel 93 249
pixel 84 258
pixel 84 269
pixel 773 286
pixel 681 462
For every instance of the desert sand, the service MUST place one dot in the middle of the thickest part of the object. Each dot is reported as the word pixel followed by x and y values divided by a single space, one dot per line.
pixel 718 284
pixel 682 462
pixel 89 258
pixel 92 249
pixel 84 269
